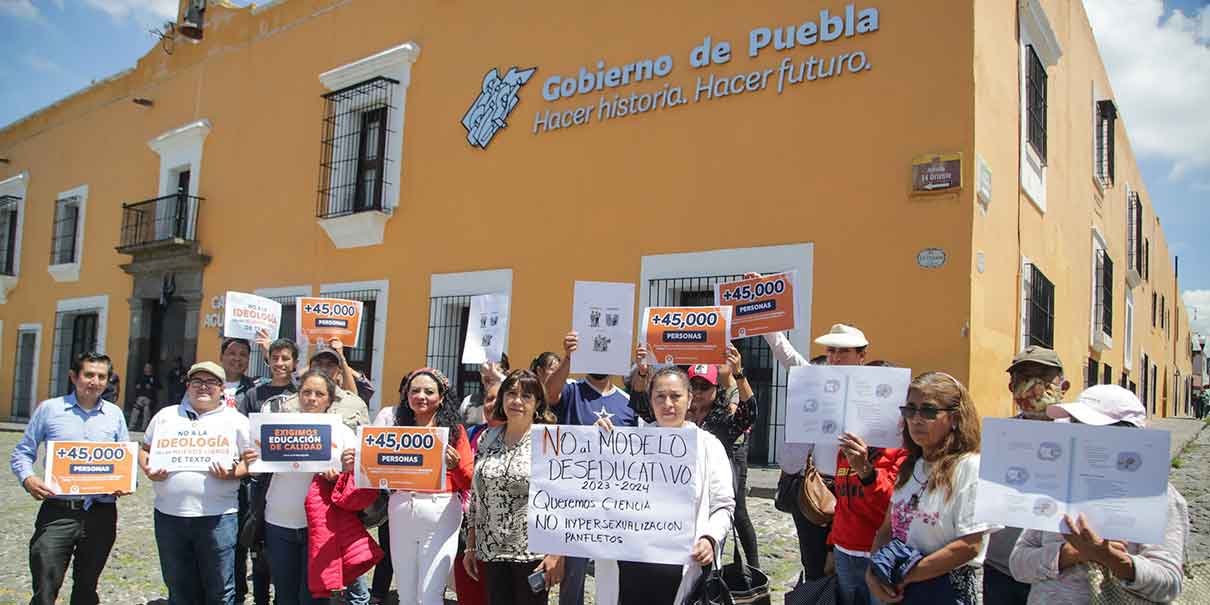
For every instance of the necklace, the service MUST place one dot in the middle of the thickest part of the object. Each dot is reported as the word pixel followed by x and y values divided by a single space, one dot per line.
pixel 914 501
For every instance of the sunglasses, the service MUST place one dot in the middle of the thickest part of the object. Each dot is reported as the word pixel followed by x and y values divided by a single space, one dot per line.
pixel 700 386
pixel 927 412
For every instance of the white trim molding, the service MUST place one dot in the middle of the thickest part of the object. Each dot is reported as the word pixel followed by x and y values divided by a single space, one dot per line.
pixel 381 304
pixel 15 185
pixel 1037 32
pixel 471 283
pixel 296 291
pixel 36 329
pixel 180 149
pixel 70 272
pixel 100 304
pixel 356 230
pixel 366 228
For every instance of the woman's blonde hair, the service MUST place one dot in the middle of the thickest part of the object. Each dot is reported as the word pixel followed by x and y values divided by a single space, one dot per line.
pixel 964 438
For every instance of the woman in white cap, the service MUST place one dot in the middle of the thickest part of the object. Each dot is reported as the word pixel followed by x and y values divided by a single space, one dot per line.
pixel 1065 568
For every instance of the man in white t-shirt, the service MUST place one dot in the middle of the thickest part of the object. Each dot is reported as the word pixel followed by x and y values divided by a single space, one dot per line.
pixel 196 511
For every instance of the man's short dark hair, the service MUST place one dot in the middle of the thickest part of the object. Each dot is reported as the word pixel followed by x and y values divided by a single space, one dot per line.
pixel 227 342
pixel 284 343
pixel 77 364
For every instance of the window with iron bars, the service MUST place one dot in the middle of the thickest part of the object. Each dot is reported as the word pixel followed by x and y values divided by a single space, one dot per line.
pixel 66 227
pixel 1106 115
pixel 1106 374
pixel 1035 108
pixel 75 333
pixel 448 320
pixel 23 373
pixel 354 156
pixel 361 357
pixel 766 376
pixel 1134 233
pixel 1103 313
pixel 1091 373
pixel 8 234
pixel 257 366
pixel 1040 309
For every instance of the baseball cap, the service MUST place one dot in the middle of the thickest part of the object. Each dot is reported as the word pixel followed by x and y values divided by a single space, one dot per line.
pixel 705 371
pixel 1102 405
pixel 327 352
pixel 1036 354
pixel 208 367
pixel 843 336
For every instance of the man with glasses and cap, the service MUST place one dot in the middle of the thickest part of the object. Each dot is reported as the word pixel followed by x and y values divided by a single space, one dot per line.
pixel 82 528
pixel 196 511
pixel 1035 380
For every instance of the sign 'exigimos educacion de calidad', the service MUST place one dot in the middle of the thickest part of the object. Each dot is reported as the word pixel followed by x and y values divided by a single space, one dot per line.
pixel 603 78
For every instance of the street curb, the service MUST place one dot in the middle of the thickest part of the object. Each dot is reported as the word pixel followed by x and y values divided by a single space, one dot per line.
pixel 1191 439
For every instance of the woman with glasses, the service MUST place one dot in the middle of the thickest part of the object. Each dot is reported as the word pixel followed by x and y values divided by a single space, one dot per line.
pixel 933 507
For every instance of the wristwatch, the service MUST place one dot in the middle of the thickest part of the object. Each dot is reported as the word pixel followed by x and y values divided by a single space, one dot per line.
pixel 738 376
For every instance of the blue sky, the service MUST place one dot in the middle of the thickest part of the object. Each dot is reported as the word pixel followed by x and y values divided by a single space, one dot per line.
pixel 1157 53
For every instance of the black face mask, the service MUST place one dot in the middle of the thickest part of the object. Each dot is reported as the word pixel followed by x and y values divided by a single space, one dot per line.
pixel 598 376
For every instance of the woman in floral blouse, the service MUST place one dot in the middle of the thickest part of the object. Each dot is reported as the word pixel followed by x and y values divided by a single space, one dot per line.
pixel 500 497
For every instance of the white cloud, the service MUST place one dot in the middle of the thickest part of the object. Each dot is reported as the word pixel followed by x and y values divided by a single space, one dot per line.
pixel 141 10
pixel 1198 304
pixel 22 9
pixel 1160 71
pixel 43 65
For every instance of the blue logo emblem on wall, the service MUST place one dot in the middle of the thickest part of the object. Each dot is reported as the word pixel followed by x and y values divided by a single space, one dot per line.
pixel 496 101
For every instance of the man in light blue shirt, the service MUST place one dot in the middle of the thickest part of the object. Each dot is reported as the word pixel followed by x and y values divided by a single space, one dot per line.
pixel 83 527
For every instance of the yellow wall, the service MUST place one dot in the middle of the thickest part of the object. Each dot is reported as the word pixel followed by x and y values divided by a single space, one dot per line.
pixel 826 163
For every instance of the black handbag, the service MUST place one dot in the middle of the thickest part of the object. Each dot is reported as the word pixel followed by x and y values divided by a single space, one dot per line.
pixel 748 585
pixel 817 591
pixel 788 488
pixel 709 589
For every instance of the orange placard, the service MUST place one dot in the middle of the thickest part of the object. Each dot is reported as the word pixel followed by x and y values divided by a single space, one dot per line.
pixel 405 458
pixel 761 305
pixel 322 319
pixel 687 335
pixel 83 468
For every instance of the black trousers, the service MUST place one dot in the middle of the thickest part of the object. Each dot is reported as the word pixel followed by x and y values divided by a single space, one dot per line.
pixel 508 583
pixel 381 585
pixel 65 535
pixel 648 583
pixel 743 522
pixel 812 544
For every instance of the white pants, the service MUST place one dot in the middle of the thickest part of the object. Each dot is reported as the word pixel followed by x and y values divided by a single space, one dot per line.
pixel 424 539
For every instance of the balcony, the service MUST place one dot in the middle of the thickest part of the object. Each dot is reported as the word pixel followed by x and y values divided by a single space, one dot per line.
pixel 164 223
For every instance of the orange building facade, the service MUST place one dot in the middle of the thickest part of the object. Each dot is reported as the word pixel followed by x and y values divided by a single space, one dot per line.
pixel 952 177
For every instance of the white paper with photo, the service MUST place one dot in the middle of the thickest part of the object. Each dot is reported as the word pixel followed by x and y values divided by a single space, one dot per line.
pixel 1031 473
pixel 822 402
pixel 246 314
pixel 487 329
pixel 596 494
pixel 603 316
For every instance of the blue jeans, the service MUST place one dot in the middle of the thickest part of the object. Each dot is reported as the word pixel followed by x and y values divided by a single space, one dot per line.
pixel 850 579
pixel 287 553
pixel 358 593
pixel 197 558
pixel 571 589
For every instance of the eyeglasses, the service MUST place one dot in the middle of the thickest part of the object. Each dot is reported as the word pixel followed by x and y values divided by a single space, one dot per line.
pixel 199 383
pixel 927 412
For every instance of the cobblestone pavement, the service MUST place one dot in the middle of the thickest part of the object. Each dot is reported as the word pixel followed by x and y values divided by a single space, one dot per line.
pixel 132 575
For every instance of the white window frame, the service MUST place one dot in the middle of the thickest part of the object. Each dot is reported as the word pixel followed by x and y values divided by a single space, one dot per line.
pixel 14 185
pixel 468 283
pixel 70 272
pixel 180 149
pixel 766 259
pixel 1035 31
pixel 36 328
pixel 367 228
pixel 100 304
pixel 1023 304
pixel 381 304
pixel 1100 340
pixel 1127 359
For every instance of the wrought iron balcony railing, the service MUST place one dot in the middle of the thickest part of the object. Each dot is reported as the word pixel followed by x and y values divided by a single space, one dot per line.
pixel 171 219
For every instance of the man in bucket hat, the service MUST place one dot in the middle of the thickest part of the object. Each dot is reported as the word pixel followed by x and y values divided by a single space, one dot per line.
pixel 1035 380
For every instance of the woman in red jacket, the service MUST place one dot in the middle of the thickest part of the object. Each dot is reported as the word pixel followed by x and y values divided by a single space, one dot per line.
pixel 424 526
pixel 865 480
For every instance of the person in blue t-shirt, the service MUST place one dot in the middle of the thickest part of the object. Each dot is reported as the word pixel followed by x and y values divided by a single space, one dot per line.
pixel 590 400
